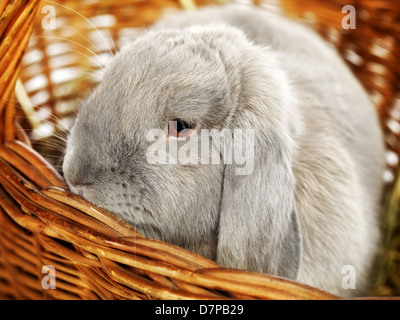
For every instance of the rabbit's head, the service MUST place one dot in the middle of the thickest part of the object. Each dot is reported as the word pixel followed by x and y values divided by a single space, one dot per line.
pixel 159 142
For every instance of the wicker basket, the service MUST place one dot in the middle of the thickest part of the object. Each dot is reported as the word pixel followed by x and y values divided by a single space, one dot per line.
pixel 96 255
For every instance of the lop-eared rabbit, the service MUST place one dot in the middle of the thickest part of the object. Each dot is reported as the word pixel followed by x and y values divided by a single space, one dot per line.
pixel 309 208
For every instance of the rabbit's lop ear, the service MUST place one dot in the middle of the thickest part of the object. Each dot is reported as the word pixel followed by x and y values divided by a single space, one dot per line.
pixel 259 228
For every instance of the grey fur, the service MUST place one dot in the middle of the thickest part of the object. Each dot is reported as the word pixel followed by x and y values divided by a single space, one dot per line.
pixel 311 205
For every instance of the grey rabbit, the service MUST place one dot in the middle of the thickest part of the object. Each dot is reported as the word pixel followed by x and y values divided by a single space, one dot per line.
pixel 310 207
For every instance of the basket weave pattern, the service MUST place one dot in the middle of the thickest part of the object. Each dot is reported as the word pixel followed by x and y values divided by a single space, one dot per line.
pixel 96 255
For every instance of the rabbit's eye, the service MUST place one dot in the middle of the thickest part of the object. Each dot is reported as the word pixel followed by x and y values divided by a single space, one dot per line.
pixel 178 128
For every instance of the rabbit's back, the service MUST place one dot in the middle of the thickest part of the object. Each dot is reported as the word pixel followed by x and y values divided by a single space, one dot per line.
pixel 340 155
pixel 316 72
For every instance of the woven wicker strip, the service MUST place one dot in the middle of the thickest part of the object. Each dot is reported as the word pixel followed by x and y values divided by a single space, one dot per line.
pixel 96 255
